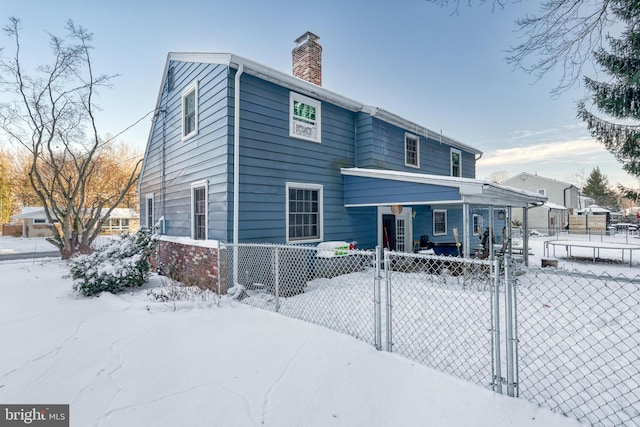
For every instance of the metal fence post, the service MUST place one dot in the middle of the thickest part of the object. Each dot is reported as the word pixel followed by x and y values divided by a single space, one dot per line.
pixel 277 279
pixel 387 271
pixel 509 325
pixel 497 374
pixel 377 301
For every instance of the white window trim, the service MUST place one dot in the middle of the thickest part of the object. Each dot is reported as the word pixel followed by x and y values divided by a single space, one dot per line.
pixel 434 222
pixel 451 151
pixel 479 219
pixel 195 185
pixel 294 96
pixel 417 138
pixel 542 191
pixel 151 197
pixel 192 87
pixel 306 186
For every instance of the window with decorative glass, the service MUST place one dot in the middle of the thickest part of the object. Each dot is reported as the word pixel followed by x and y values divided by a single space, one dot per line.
pixel 456 162
pixel 305 116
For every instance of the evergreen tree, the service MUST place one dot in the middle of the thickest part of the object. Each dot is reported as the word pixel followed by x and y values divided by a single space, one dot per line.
pixel 619 97
pixel 597 187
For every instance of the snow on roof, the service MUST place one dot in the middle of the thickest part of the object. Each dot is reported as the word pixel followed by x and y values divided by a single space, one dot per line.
pixel 594 209
pixel 550 205
pixel 36 212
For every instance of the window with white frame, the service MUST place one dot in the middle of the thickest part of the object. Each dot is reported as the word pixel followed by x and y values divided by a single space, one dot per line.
pixel 439 222
pixel 411 150
pixel 304 117
pixel 150 204
pixel 456 162
pixel 190 111
pixel 39 221
pixel 199 210
pixel 304 212
pixel 542 191
pixel 478 224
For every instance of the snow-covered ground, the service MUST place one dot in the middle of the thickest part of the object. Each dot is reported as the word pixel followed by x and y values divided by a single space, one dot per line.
pixel 16 245
pixel 135 360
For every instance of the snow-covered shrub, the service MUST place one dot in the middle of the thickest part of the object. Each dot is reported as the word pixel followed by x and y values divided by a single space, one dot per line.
pixel 122 264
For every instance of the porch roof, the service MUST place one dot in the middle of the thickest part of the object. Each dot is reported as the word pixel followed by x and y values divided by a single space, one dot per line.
pixel 377 187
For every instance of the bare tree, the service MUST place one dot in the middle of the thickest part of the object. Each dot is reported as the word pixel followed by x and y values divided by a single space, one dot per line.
pixel 53 116
pixel 498 176
pixel 562 35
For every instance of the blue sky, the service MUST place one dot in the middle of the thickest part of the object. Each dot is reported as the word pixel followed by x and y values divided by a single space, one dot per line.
pixel 412 58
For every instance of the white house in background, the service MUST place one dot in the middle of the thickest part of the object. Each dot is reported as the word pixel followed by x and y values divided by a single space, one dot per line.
pixel 35 224
pixel 564 199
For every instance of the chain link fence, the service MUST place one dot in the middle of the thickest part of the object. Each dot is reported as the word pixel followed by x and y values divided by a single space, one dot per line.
pixel 569 341
pixel 333 288
pixel 579 344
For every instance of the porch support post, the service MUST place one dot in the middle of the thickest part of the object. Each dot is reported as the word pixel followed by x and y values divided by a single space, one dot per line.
pixel 491 233
pixel 466 241
pixel 525 235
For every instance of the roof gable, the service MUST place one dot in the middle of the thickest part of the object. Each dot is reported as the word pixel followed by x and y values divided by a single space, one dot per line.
pixel 305 88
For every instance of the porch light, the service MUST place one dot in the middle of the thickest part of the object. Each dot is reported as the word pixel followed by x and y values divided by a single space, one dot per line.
pixel 501 214
pixel 396 209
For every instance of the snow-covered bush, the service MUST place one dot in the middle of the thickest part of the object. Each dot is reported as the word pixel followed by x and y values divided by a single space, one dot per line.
pixel 115 267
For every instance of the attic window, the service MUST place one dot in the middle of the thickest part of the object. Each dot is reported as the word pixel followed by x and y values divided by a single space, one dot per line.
pixel 190 111
pixel 170 80
pixel 304 117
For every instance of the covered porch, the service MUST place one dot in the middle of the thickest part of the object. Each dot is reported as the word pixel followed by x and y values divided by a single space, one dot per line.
pixel 414 208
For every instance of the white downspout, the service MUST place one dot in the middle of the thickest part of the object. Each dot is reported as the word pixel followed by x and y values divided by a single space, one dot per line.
pixel 236 170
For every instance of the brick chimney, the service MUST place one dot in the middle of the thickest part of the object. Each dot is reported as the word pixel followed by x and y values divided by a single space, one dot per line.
pixel 307 58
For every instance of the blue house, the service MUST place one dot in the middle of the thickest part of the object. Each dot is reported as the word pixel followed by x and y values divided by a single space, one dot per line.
pixel 240 152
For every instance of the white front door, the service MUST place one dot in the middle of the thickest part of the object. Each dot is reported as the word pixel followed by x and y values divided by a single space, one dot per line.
pixel 395 232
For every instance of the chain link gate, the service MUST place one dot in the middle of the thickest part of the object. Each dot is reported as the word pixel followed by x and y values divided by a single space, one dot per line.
pixel 440 313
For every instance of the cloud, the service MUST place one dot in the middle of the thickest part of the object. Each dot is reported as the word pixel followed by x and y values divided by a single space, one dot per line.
pixel 574 151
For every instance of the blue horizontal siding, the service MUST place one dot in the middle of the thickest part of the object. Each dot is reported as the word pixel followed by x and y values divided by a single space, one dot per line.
pixel 372 191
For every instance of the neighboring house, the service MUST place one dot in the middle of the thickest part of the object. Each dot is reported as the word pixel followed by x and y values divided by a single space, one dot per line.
pixel 239 152
pixel 35 224
pixel 121 220
pixel 563 201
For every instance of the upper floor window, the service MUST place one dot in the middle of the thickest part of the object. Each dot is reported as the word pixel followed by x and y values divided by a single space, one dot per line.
pixel 411 150
pixel 190 111
pixel 456 162
pixel 542 191
pixel 304 212
pixel 439 222
pixel 304 117
pixel 199 210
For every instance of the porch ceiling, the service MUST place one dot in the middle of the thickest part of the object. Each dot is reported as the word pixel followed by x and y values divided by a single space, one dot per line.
pixel 373 187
